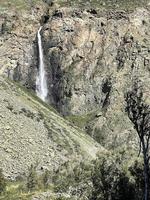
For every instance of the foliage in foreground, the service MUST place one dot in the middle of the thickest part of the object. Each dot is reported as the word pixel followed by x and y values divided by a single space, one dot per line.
pixel 115 178
pixel 111 177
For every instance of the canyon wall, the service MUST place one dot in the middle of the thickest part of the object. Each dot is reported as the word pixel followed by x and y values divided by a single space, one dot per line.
pixel 92 58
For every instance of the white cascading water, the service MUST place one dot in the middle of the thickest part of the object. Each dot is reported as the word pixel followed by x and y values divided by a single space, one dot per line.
pixel 41 83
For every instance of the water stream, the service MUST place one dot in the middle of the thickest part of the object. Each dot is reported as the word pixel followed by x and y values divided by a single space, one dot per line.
pixel 41 82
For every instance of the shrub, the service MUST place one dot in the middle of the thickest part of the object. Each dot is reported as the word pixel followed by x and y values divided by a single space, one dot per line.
pixel 136 170
pixel 32 180
pixel 110 180
pixel 2 182
pixel 74 179
pixel 46 177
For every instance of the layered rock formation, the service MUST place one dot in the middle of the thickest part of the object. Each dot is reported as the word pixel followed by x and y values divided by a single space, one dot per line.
pixel 93 57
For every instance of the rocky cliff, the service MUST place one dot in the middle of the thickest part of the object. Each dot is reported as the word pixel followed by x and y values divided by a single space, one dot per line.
pixel 93 57
pixel 92 53
pixel 19 23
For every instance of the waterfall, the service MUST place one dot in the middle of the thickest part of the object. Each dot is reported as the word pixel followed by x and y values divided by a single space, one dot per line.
pixel 41 83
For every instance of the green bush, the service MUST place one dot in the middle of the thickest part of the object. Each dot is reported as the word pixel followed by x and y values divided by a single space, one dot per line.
pixel 32 179
pixel 75 179
pixel 2 182
pixel 113 181
pixel 136 170
pixel 45 179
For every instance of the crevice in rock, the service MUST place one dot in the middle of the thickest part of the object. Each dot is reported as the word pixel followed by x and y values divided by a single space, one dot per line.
pixel 32 70
pixel 123 50
pixel 45 19
pixel 106 89
pixel 49 2
pixel 92 11
pixel 17 76
pixel 121 57
pixel 58 14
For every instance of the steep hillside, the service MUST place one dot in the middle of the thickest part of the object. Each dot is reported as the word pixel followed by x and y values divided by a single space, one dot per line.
pixel 32 133
pixel 92 55
pixel 81 141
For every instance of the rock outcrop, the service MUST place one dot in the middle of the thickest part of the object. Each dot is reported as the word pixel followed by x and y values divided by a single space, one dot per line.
pixel 18 42
pixel 92 60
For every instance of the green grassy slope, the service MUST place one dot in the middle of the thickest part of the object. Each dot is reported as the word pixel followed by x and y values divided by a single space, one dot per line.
pixel 108 4
pixel 32 133
pixel 18 4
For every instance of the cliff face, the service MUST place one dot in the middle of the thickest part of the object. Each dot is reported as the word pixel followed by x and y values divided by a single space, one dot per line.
pixel 92 54
pixel 92 57
pixel 18 44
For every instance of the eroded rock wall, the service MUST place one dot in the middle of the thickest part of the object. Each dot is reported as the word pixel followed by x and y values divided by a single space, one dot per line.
pixel 92 60
pixel 18 43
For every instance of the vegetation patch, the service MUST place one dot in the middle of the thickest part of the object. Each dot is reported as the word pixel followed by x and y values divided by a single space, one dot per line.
pixel 108 4
pixel 81 120
pixel 17 4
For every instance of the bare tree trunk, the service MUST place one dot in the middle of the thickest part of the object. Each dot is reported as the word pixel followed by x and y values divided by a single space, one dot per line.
pixel 146 171
pixel 139 114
